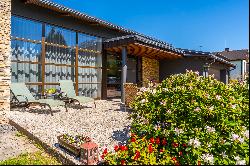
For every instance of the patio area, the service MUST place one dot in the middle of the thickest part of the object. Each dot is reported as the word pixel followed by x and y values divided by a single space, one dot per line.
pixel 107 124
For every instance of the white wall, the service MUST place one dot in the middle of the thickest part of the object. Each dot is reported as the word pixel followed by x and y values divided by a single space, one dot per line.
pixel 236 73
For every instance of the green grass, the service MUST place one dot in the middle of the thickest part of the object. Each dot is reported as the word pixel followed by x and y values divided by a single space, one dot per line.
pixel 37 158
pixel 19 134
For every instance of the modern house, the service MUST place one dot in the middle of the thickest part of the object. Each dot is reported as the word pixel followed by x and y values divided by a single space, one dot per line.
pixel 43 42
pixel 240 58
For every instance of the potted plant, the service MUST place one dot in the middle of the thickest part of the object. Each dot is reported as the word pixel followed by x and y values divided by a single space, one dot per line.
pixel 72 143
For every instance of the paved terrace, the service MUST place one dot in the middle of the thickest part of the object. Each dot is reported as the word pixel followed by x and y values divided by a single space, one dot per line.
pixel 107 124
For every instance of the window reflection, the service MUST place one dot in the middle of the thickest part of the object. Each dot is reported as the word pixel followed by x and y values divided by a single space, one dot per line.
pixel 23 28
pixel 57 35
pixel 60 56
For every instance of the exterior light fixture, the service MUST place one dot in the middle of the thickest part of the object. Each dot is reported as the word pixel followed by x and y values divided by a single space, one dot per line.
pixel 205 69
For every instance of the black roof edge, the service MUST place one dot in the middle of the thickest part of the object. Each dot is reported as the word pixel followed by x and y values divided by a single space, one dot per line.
pixel 145 40
pixel 91 18
pixel 195 53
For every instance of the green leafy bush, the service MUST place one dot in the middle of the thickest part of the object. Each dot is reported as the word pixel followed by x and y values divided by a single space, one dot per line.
pixel 188 119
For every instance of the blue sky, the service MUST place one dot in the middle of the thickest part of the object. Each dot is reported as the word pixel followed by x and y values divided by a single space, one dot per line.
pixel 183 23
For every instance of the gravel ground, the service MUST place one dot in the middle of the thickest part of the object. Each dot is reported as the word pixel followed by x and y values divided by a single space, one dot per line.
pixel 12 145
pixel 107 124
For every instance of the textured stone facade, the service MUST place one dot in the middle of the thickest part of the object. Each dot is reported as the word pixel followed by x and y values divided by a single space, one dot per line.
pixel 5 29
pixel 150 70
pixel 130 92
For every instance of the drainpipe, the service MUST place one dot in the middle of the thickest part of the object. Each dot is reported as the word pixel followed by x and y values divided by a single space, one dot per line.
pixel 124 73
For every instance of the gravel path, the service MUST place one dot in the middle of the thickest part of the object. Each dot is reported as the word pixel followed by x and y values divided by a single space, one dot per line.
pixel 11 145
pixel 106 125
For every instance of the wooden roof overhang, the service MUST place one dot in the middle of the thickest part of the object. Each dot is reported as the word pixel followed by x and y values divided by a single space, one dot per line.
pixel 140 46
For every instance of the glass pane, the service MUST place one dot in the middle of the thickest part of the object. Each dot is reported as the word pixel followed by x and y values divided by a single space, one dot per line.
pixel 28 29
pixel 89 75
pixel 89 90
pixel 89 42
pixel 35 89
pixel 89 59
pixel 113 90
pixel 58 35
pixel 25 72
pixel 25 51
pixel 131 71
pixel 60 55
pixel 55 73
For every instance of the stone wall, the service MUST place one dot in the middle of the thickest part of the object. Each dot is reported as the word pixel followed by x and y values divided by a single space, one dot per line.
pixel 5 20
pixel 150 70
pixel 130 92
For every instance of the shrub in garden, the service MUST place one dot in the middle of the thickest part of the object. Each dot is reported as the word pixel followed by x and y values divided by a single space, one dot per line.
pixel 188 119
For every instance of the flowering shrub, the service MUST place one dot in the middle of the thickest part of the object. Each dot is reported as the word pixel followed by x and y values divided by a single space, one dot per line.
pixel 188 119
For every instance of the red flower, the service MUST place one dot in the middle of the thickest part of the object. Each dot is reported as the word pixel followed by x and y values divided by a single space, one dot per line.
pixel 175 144
pixel 174 158
pixel 184 145
pixel 105 151
pixel 152 140
pixel 102 156
pixel 161 150
pixel 150 148
pixel 122 162
pixel 157 141
pixel 199 162
pixel 123 148
pixel 164 142
pixel 137 155
pixel 180 153
pixel 133 139
pixel 116 148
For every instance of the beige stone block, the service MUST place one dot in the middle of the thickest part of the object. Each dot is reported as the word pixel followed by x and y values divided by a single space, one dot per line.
pixel 5 30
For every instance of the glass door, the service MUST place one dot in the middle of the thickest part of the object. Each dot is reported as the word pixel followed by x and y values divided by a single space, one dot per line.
pixel 113 76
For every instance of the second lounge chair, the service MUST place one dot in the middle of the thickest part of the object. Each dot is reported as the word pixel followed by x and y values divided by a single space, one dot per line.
pixel 67 87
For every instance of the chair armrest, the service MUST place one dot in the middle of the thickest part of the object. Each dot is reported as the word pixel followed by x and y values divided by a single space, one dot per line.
pixel 23 97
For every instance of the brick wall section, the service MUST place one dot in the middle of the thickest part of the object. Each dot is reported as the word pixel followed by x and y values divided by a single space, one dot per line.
pixel 5 20
pixel 130 92
pixel 150 70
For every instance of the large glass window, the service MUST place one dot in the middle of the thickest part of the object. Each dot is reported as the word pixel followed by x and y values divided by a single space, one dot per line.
pixel 26 53
pixel 90 63
pixel 59 57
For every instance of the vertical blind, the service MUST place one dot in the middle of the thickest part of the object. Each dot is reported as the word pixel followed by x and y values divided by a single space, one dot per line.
pixel 60 57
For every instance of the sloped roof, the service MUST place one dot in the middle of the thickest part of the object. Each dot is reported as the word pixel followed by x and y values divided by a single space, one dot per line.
pixel 85 17
pixel 236 54
pixel 194 53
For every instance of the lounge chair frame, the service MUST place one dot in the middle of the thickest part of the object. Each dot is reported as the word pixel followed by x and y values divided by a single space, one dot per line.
pixel 26 104
pixel 63 96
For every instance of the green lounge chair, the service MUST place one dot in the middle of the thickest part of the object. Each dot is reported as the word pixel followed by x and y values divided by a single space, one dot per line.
pixel 68 90
pixel 24 98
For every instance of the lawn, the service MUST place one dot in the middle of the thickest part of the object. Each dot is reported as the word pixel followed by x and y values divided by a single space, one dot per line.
pixel 37 158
